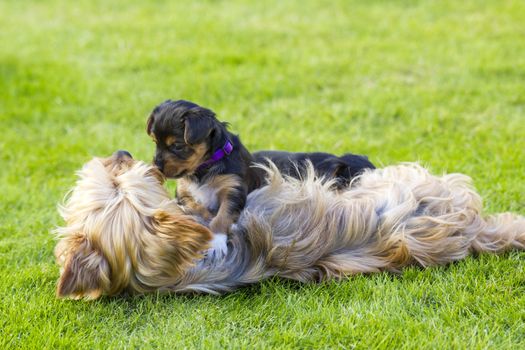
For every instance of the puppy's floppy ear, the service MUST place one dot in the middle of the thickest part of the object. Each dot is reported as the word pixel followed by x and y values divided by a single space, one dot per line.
pixel 183 240
pixel 149 124
pixel 85 273
pixel 199 123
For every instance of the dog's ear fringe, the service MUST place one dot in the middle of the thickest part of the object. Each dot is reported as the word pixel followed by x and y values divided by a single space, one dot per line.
pixel 174 244
pixel 185 234
pixel 85 275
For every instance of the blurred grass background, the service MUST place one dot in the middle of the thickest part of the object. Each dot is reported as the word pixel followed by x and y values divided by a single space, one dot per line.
pixel 440 82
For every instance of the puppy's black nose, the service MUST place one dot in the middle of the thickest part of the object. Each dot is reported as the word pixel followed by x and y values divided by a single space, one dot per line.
pixel 159 164
pixel 121 154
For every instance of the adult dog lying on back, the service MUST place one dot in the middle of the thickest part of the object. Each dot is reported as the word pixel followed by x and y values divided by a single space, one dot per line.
pixel 123 232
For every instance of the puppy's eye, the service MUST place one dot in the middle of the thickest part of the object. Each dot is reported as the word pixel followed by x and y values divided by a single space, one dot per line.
pixel 178 146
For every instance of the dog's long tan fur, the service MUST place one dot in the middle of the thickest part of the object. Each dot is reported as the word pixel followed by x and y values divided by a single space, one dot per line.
pixel 124 234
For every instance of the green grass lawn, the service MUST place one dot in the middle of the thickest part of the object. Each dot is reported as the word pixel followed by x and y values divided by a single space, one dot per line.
pixel 440 82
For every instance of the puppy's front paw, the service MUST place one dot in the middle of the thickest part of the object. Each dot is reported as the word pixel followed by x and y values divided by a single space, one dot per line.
pixel 219 246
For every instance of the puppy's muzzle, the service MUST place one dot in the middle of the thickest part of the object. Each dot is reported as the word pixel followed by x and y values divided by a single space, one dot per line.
pixel 159 163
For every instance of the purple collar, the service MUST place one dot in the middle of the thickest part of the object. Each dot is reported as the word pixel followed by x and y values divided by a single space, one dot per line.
pixel 218 155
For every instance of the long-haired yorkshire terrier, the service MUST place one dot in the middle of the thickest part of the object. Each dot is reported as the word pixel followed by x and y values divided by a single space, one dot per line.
pixel 124 234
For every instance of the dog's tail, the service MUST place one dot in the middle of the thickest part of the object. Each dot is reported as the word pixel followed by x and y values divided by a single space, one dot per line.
pixel 500 233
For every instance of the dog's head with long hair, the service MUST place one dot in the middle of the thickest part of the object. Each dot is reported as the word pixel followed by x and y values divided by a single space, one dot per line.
pixel 122 232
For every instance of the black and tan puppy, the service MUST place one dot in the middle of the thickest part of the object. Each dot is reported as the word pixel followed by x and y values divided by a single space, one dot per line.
pixel 212 165
pixel 215 170
pixel 343 169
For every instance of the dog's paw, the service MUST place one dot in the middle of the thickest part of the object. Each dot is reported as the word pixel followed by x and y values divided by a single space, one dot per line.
pixel 219 246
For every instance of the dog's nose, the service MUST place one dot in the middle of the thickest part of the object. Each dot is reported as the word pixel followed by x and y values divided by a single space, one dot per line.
pixel 159 164
pixel 121 154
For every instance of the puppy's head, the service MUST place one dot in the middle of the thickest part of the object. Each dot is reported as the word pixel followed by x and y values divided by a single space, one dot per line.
pixel 122 232
pixel 185 134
